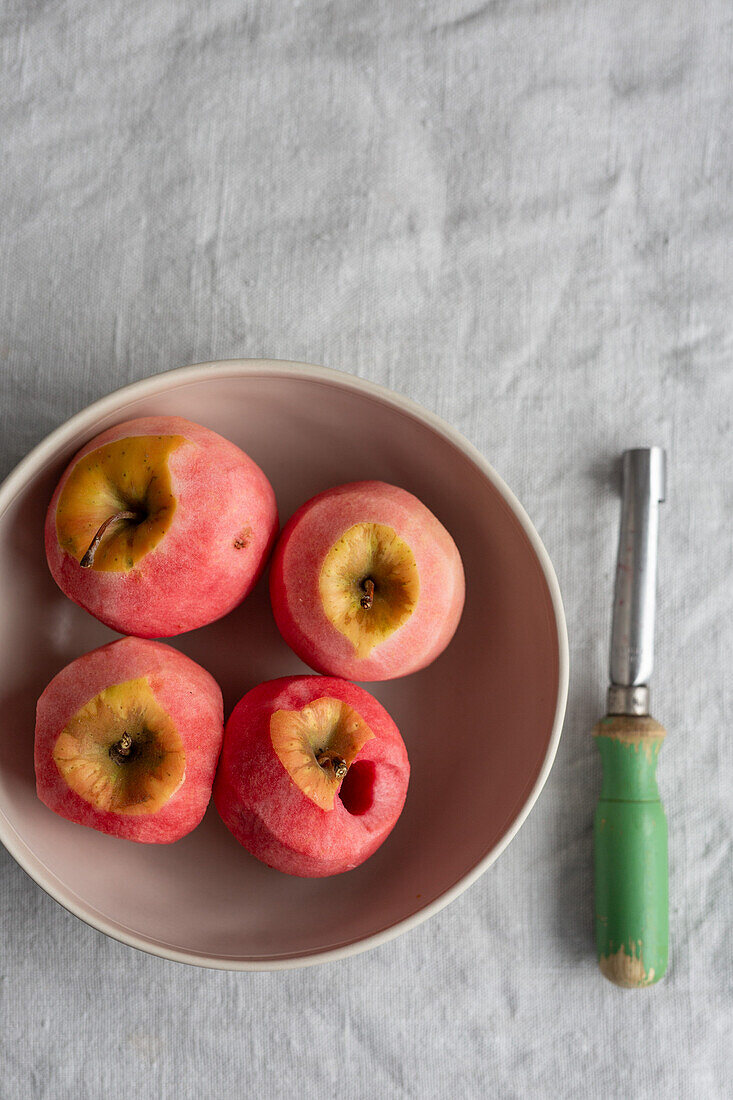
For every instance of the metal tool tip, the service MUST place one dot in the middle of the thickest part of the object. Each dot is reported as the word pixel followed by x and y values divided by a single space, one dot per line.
pixel 647 465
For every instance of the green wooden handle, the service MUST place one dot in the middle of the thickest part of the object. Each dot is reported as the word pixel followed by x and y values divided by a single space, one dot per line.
pixel 630 834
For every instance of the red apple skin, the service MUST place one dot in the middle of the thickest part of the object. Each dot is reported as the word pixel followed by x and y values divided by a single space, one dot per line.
pixel 268 813
pixel 296 566
pixel 196 573
pixel 186 691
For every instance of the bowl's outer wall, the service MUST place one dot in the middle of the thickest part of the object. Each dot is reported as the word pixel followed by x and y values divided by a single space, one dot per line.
pixel 481 724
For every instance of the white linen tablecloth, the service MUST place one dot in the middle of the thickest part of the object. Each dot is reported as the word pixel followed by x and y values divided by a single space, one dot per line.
pixel 519 214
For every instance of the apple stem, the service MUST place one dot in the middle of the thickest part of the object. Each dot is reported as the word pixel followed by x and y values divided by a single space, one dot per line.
pixel 88 560
pixel 121 749
pixel 367 599
pixel 340 767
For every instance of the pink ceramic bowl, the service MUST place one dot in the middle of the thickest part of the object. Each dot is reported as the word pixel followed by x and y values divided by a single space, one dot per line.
pixel 496 696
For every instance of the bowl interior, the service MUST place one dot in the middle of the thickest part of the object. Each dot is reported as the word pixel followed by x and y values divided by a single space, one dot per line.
pixel 478 723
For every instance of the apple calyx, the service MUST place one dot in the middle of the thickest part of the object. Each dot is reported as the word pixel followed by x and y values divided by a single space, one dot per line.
pixel 318 744
pixel 88 560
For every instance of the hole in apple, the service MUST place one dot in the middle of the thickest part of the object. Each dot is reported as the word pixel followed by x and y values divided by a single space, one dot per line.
pixel 357 789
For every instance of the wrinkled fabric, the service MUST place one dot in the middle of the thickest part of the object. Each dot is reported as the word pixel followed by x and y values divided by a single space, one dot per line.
pixel 519 215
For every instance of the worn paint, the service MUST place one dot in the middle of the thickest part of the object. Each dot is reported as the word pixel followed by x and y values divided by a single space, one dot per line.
pixel 626 970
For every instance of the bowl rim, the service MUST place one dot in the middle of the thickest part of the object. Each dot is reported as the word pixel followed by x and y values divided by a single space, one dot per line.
pixel 34 462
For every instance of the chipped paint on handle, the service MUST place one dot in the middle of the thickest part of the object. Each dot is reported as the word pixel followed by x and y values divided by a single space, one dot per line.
pixel 630 834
